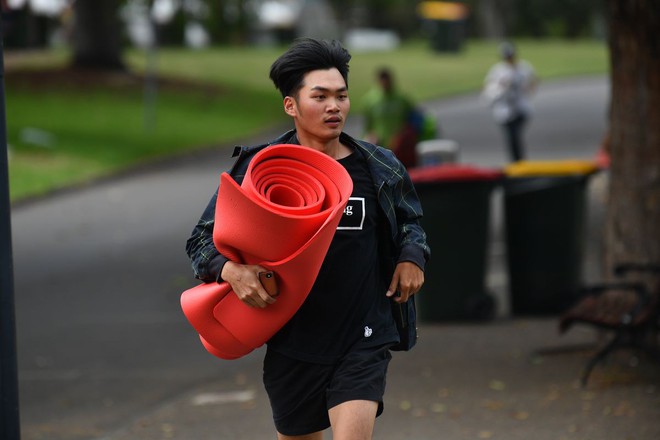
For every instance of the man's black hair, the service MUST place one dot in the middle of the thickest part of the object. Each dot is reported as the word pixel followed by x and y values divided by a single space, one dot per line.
pixel 305 55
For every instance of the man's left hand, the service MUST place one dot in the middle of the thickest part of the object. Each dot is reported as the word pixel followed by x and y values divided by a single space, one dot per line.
pixel 408 278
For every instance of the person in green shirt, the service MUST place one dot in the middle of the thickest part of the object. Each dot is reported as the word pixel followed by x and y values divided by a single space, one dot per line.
pixel 386 110
pixel 387 118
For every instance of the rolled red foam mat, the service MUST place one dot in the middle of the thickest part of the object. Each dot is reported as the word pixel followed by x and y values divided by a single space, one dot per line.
pixel 282 217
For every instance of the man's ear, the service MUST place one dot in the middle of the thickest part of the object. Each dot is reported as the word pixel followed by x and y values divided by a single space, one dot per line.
pixel 290 106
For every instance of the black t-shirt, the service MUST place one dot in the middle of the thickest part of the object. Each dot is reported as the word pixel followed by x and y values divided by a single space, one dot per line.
pixel 347 304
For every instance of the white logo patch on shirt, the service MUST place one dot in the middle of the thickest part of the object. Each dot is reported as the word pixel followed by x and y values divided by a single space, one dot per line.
pixel 367 331
pixel 354 214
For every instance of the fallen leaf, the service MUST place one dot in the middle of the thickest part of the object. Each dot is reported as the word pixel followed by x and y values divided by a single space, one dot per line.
pixel 455 413
pixel 405 405
pixel 438 408
pixel 167 429
pixel 497 385
pixel 419 412
pixel 624 409
pixel 444 392
pixel 493 405
pixel 521 415
pixel 485 434
pixel 536 359
pixel 553 395
pixel 588 395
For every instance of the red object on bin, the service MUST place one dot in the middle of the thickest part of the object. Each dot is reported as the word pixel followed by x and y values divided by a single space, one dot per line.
pixel 453 173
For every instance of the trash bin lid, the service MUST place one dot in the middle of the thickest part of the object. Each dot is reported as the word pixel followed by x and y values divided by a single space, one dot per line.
pixel 437 10
pixel 436 146
pixel 453 173
pixel 527 168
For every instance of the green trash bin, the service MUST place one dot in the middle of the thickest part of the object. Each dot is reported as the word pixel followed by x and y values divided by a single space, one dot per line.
pixel 456 202
pixel 447 35
pixel 445 23
pixel 545 212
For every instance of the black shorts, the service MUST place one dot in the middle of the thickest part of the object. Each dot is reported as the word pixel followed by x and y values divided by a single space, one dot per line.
pixel 301 393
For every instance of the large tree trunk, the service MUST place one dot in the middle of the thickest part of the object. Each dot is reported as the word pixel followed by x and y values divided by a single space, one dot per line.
pixel 633 219
pixel 495 19
pixel 97 35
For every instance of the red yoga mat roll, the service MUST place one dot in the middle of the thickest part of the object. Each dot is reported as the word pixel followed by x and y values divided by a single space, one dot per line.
pixel 283 217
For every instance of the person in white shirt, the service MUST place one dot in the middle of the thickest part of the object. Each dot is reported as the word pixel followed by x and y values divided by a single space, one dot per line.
pixel 508 87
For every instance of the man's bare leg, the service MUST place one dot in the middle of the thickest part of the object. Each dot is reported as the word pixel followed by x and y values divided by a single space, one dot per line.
pixel 313 436
pixel 353 420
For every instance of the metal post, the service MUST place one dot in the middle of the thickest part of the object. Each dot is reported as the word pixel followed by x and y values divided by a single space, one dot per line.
pixel 9 415
pixel 151 80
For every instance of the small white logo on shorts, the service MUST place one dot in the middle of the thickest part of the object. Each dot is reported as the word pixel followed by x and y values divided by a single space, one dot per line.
pixel 367 331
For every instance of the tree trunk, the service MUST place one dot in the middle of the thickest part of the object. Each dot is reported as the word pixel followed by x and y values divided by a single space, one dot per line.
pixel 97 35
pixel 633 219
pixel 490 18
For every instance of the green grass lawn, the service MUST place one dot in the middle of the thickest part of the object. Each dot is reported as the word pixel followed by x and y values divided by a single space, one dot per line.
pixel 422 73
pixel 64 130
pixel 65 135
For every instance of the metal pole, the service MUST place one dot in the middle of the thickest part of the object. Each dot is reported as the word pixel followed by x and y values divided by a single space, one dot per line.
pixel 151 80
pixel 9 416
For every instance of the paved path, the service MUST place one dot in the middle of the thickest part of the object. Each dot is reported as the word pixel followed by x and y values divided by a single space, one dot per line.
pixel 104 352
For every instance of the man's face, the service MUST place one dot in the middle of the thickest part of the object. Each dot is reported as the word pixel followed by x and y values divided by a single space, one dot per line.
pixel 321 106
pixel 385 83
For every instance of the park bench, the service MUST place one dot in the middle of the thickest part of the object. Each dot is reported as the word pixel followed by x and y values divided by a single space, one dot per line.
pixel 628 310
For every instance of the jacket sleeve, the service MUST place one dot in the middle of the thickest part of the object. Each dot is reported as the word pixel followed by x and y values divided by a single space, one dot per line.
pixel 412 243
pixel 207 262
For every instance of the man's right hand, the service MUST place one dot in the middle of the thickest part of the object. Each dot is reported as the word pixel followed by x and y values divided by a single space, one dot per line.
pixel 244 281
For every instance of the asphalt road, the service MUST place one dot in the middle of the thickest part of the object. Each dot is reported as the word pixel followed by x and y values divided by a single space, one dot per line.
pixel 99 271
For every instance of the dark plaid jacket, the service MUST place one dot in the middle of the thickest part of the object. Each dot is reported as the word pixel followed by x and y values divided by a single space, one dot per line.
pixel 396 195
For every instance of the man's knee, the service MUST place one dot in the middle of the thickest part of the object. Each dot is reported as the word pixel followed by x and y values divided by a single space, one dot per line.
pixel 353 420
pixel 313 436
